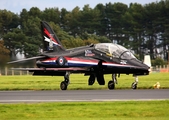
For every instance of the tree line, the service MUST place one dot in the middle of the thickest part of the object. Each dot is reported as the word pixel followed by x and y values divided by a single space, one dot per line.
pixel 144 29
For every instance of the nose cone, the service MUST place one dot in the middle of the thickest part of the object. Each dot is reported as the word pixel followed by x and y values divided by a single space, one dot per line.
pixel 140 67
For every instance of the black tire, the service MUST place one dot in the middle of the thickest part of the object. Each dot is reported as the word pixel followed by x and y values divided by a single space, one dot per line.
pixel 134 85
pixel 63 85
pixel 91 79
pixel 111 85
pixel 100 78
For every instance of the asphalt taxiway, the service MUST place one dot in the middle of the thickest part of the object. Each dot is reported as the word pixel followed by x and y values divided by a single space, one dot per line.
pixel 82 95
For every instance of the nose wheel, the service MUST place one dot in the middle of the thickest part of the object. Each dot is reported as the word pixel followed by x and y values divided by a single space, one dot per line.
pixel 111 83
pixel 134 84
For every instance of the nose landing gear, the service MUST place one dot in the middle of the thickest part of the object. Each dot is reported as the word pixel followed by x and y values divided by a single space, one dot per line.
pixel 111 83
pixel 134 84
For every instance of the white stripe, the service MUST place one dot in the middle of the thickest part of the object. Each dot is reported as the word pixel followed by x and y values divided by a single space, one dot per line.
pixel 81 62
pixel 95 63
pixel 91 63
pixel 49 61
pixel 48 40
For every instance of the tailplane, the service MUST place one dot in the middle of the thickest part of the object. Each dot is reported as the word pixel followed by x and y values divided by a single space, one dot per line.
pixel 51 42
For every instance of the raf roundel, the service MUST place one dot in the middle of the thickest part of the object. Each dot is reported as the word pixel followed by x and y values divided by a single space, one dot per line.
pixel 61 61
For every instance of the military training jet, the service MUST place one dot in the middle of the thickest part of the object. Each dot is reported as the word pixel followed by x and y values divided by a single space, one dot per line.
pixel 94 60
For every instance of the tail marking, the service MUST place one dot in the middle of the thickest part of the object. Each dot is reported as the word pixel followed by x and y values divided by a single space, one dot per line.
pixel 51 38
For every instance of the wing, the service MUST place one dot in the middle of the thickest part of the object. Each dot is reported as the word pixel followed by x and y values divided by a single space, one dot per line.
pixel 71 69
pixel 32 58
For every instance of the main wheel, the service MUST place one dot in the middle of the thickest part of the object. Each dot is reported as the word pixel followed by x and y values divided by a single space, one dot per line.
pixel 63 85
pixel 111 85
pixel 91 79
pixel 134 85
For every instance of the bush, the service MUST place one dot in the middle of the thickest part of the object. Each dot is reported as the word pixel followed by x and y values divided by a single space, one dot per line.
pixel 158 62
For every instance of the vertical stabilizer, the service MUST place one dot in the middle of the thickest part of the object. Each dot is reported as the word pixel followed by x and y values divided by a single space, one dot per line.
pixel 51 42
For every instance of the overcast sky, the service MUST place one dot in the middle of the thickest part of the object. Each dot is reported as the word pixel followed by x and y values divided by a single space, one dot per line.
pixel 16 6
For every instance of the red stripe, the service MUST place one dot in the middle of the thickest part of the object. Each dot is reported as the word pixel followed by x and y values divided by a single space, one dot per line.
pixel 82 60
pixel 74 59
pixel 50 59
pixel 47 33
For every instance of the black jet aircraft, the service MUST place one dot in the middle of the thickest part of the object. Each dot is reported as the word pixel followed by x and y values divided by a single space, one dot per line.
pixel 93 60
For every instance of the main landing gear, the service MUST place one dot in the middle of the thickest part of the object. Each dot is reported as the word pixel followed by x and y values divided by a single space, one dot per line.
pixel 65 83
pixel 111 83
pixel 134 84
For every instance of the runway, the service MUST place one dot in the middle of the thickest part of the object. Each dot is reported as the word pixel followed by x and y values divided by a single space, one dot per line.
pixel 82 95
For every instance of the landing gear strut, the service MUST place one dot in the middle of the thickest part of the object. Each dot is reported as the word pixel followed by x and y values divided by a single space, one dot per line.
pixel 111 83
pixel 65 83
pixel 134 84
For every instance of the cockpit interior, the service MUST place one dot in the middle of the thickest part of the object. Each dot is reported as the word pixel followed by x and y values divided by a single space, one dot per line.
pixel 115 50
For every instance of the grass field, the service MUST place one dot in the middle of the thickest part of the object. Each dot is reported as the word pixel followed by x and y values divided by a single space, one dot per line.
pixel 79 81
pixel 122 110
pixel 131 110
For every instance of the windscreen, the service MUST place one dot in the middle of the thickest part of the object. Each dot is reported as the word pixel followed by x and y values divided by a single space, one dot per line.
pixel 115 50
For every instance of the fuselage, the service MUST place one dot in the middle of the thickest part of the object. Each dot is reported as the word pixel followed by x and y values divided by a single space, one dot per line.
pixel 114 59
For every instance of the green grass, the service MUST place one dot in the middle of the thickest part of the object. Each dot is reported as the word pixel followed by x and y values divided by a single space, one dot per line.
pixel 122 110
pixel 131 110
pixel 79 81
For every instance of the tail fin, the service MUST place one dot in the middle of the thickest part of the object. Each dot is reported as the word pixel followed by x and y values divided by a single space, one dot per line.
pixel 51 42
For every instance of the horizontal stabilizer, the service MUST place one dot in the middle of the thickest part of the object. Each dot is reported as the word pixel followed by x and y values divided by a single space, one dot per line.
pixel 26 59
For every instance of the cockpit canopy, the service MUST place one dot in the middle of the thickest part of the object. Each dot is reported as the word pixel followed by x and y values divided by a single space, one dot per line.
pixel 114 50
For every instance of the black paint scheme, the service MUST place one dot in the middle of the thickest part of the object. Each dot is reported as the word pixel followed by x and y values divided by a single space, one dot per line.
pixel 94 60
